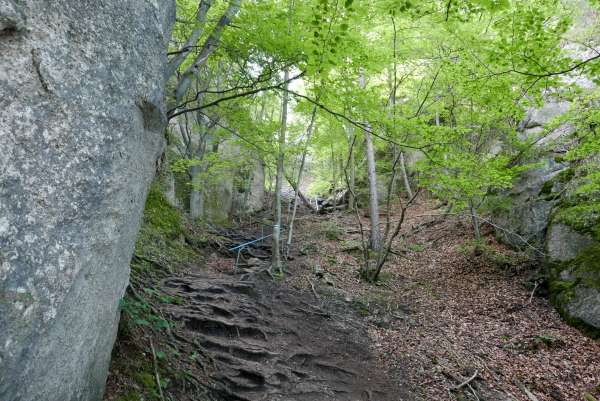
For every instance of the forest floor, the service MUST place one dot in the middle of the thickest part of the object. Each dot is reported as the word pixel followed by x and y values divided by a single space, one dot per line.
pixel 442 315
pixel 438 318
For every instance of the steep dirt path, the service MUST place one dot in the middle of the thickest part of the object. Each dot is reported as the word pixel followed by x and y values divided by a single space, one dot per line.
pixel 266 341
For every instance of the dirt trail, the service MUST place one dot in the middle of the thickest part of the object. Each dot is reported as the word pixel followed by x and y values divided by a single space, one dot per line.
pixel 439 316
pixel 269 342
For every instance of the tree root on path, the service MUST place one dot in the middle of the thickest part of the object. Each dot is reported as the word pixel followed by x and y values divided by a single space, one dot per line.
pixel 261 341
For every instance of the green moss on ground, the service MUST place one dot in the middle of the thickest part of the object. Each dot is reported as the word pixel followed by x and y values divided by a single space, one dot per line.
pixel 547 188
pixel 331 230
pixel 167 245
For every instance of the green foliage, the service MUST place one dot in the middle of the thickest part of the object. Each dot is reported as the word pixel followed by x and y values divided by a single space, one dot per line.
pixel 582 217
pixel 580 205
pixel 160 215
pixel 447 83
pixel 503 259
pixel 141 313
pixel 584 270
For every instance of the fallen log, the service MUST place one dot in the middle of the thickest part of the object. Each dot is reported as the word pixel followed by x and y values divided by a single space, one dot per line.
pixel 301 195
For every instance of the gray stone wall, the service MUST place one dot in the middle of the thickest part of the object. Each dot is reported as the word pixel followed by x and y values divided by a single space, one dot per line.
pixel 81 129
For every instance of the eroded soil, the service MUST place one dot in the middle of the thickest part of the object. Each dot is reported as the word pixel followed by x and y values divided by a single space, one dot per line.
pixel 269 342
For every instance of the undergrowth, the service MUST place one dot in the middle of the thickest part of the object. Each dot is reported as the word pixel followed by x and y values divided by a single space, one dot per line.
pixel 147 356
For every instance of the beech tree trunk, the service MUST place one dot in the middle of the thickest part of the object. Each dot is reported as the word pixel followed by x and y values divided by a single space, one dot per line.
pixel 276 256
pixel 299 180
pixel 197 193
pixel 208 48
pixel 476 229
pixel 352 169
pixel 409 191
pixel 394 88
pixel 373 196
pixel 372 176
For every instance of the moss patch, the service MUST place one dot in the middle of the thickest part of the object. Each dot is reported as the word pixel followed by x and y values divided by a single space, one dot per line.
pixel 547 188
pixel 585 271
pixel 582 217
pixel 160 215
pixel 166 245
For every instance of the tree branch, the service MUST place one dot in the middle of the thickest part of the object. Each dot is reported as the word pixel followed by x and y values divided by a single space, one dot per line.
pixel 207 49
pixel 190 44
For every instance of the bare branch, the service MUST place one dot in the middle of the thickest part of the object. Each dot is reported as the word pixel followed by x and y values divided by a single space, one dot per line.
pixel 207 49
pixel 174 113
pixel 190 44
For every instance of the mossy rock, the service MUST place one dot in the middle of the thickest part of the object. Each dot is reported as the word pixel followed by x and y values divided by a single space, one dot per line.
pixel 575 290
pixel 131 396
pixel 582 217
pixel 160 215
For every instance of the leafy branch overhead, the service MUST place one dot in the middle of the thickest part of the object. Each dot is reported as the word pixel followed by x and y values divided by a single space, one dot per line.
pixel 432 94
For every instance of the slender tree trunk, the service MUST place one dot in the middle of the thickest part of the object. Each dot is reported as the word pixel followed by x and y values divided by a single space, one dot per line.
pixel 476 229
pixel 409 191
pixel 299 181
pixel 403 171
pixel 190 43
pixel 372 176
pixel 196 198
pixel 373 196
pixel 352 169
pixel 333 179
pixel 276 256
pixel 197 193
pixel 207 49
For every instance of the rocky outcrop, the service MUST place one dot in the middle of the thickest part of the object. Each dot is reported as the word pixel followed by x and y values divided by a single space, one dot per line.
pixel 549 212
pixel 254 194
pixel 531 205
pixel 81 130
pixel 575 280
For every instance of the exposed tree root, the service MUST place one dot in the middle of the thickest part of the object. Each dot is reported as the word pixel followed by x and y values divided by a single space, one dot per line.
pixel 267 343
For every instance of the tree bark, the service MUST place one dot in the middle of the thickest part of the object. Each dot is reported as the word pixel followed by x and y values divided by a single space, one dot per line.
pixel 394 88
pixel 352 169
pixel 476 229
pixel 196 193
pixel 409 191
pixel 299 180
pixel 373 196
pixel 190 43
pixel 301 195
pixel 276 257
pixel 208 48
pixel 372 176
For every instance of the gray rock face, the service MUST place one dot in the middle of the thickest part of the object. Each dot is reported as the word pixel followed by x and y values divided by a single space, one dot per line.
pixel 540 196
pixel 255 197
pixel 81 121
pixel 584 306
pixel 564 244
pixel 531 208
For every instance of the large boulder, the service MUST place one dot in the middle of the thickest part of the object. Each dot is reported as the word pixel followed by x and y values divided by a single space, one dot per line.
pixel 81 130
pixel 563 243
pixel 575 278
pixel 532 198
pixel 547 210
